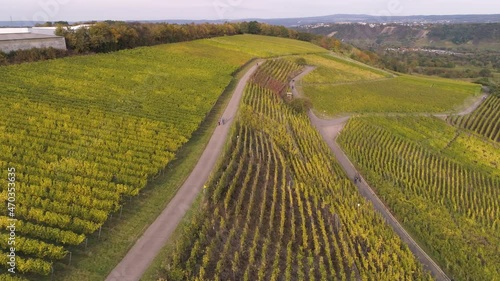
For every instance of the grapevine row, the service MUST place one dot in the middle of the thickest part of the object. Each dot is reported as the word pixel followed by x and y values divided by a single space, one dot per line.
pixel 484 121
pixel 280 207
pixel 442 201
pixel 85 132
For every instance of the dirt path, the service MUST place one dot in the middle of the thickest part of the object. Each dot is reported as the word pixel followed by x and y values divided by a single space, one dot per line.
pixel 140 256
pixel 308 69
pixel 467 110
pixel 329 130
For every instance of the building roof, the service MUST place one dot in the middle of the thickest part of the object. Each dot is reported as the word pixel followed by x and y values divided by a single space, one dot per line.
pixel 8 30
pixel 45 27
pixel 25 36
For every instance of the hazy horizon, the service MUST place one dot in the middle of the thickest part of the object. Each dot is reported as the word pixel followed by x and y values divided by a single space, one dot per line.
pixel 79 10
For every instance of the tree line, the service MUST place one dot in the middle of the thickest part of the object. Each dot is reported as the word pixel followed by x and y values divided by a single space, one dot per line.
pixel 110 36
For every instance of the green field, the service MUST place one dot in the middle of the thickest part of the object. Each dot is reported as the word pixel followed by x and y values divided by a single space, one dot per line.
pixel 102 127
pixel 339 86
pixel 263 46
pixel 402 94
pixel 333 70
pixel 279 207
pixel 443 184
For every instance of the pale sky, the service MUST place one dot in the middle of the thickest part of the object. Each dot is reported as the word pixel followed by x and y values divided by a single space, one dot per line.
pixel 77 10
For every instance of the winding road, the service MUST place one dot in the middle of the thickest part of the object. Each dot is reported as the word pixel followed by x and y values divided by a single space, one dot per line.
pixel 329 134
pixel 147 247
pixel 329 130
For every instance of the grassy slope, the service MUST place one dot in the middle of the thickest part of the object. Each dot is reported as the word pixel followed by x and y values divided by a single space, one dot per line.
pixel 264 46
pixel 118 235
pixel 343 87
pixel 331 69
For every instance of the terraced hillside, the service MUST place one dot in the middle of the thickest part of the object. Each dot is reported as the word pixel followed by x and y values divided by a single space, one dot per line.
pixel 83 132
pixel 484 121
pixel 339 86
pixel 280 208
pixel 443 184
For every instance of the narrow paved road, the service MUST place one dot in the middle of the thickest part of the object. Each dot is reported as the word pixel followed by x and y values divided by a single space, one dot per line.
pixel 140 256
pixel 329 135
pixel 329 130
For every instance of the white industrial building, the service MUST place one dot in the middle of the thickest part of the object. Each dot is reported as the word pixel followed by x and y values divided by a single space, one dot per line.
pixel 44 30
pixel 13 39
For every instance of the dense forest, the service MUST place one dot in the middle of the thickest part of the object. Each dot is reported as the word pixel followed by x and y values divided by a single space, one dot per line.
pixel 463 33
pixel 407 35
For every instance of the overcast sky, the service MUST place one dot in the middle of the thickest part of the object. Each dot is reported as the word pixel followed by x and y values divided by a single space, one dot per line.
pixel 77 10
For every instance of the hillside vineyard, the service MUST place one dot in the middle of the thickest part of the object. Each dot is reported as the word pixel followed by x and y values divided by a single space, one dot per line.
pixel 86 133
pixel 103 143
pixel 279 206
pixel 484 121
pixel 447 196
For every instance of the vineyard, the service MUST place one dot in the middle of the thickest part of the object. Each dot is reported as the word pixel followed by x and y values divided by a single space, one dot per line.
pixel 275 75
pixel 338 86
pixel 485 121
pixel 450 203
pixel 279 207
pixel 84 133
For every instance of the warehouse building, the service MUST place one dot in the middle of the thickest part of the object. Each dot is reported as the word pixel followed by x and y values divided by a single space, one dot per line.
pixel 13 39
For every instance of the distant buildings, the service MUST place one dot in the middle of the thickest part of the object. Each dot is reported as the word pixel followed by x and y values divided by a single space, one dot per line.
pixel 434 51
pixel 13 39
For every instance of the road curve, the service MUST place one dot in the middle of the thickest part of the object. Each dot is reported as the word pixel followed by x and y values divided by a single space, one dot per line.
pixel 467 110
pixel 147 247
pixel 329 130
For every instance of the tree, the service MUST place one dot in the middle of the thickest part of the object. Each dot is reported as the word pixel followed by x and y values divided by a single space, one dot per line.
pixel 485 72
pixel 80 41
pixel 300 105
pixel 101 38
pixel 125 36
pixel 59 23
pixel 254 27
pixel 301 61
pixel 304 36
pixel 3 59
